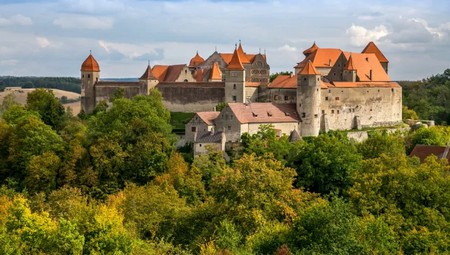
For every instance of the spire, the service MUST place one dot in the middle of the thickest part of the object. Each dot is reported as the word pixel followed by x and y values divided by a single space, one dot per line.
pixel 311 49
pixel 350 66
pixel 148 74
pixel 90 64
pixel 372 48
pixel 309 69
pixel 216 74
pixel 235 62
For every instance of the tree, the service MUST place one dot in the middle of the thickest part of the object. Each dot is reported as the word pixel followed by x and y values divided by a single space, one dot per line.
pixel 381 142
pixel 326 163
pixel 48 106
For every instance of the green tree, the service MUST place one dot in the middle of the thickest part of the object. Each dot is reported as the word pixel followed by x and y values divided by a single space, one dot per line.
pixel 381 142
pixel 48 106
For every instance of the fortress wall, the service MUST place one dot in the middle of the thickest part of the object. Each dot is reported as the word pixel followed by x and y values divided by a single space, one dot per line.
pixel 184 97
pixel 375 107
pixel 282 96
pixel 105 92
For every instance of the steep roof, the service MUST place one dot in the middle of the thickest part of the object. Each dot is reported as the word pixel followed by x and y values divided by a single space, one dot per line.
pixel 209 137
pixel 322 57
pixel 196 60
pixel 235 62
pixel 311 49
pixel 159 71
pixel 309 69
pixel 90 64
pixel 424 151
pixel 349 66
pixel 148 74
pixel 372 48
pixel 284 82
pixel 242 54
pixel 216 74
pixel 264 112
pixel 368 67
pixel 208 117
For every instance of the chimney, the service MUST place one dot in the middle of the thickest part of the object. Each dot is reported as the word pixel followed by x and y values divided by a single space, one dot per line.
pixel 370 74
pixel 329 62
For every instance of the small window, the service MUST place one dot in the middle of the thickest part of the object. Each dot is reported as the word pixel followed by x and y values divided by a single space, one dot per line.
pixel 286 98
pixel 332 111
pixel 336 98
pixel 315 115
pixel 200 145
pixel 334 74
pixel 323 111
pixel 82 76
pixel 304 78
pixel 185 71
pixel 185 80
pixel 234 86
pixel 234 99
pixel 193 129
pixel 326 98
pixel 229 127
pixel 303 115
pixel 392 90
pixel 89 76
pixel 337 111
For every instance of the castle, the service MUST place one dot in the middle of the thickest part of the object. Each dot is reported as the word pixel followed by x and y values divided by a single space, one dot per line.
pixel 197 86
pixel 331 89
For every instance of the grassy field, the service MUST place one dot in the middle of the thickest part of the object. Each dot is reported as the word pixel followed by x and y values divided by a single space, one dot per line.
pixel 20 96
pixel 178 120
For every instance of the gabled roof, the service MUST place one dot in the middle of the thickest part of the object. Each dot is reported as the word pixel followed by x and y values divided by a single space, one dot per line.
pixel 424 151
pixel 284 82
pixel 208 117
pixel 209 137
pixel 148 74
pixel 196 60
pixel 264 112
pixel 368 67
pixel 309 69
pixel 349 66
pixel 90 64
pixel 216 74
pixel 167 73
pixel 311 49
pixel 235 62
pixel 322 57
pixel 372 48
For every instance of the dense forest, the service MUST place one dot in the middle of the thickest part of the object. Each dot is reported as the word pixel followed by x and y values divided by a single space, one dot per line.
pixel 63 83
pixel 113 183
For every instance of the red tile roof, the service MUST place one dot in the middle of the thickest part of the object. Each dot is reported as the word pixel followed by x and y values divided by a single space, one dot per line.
pixel 424 151
pixel 167 73
pixel 311 49
pixel 148 74
pixel 309 69
pixel 364 64
pixel 196 60
pixel 216 74
pixel 349 66
pixel 90 65
pixel 208 117
pixel 284 82
pixel 322 57
pixel 264 112
pixel 372 48
pixel 366 84
pixel 235 62
pixel 159 71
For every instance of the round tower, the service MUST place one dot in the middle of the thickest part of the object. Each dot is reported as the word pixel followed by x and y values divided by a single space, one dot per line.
pixel 308 100
pixel 90 73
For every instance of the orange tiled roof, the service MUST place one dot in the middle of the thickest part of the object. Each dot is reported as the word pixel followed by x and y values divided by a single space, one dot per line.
pixel 284 82
pixel 365 64
pixel 196 60
pixel 309 69
pixel 372 48
pixel 349 66
pixel 253 84
pixel 264 112
pixel 199 74
pixel 159 71
pixel 208 117
pixel 424 151
pixel 311 49
pixel 216 74
pixel 359 84
pixel 90 64
pixel 322 57
pixel 235 62
pixel 242 54
pixel 167 73
pixel 148 74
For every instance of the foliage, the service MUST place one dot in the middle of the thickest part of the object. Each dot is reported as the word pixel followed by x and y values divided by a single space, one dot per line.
pixel 47 105
pixel 63 83
pixel 382 143
pixel 275 75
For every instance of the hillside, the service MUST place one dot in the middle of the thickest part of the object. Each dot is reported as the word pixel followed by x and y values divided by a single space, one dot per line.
pixel 64 83
pixel 20 95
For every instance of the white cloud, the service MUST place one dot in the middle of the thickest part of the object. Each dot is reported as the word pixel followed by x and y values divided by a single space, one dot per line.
pixel 42 42
pixel 16 20
pixel 83 22
pixel 288 48
pixel 360 36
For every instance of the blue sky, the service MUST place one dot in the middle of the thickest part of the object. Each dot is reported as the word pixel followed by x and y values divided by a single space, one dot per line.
pixel 52 38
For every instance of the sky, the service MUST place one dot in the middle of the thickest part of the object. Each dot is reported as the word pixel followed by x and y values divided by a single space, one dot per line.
pixel 53 37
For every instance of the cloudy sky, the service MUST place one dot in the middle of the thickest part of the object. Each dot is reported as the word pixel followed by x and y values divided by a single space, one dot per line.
pixel 53 37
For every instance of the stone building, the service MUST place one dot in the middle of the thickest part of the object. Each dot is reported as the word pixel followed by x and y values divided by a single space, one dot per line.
pixel 199 86
pixel 331 90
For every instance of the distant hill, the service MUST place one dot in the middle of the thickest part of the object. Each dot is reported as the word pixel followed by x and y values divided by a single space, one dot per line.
pixel 63 83
pixel 69 99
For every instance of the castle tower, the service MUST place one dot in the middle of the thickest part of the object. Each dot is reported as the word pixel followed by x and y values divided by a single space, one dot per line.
pixel 90 73
pixel 308 100
pixel 149 79
pixel 349 73
pixel 235 80
pixel 196 60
